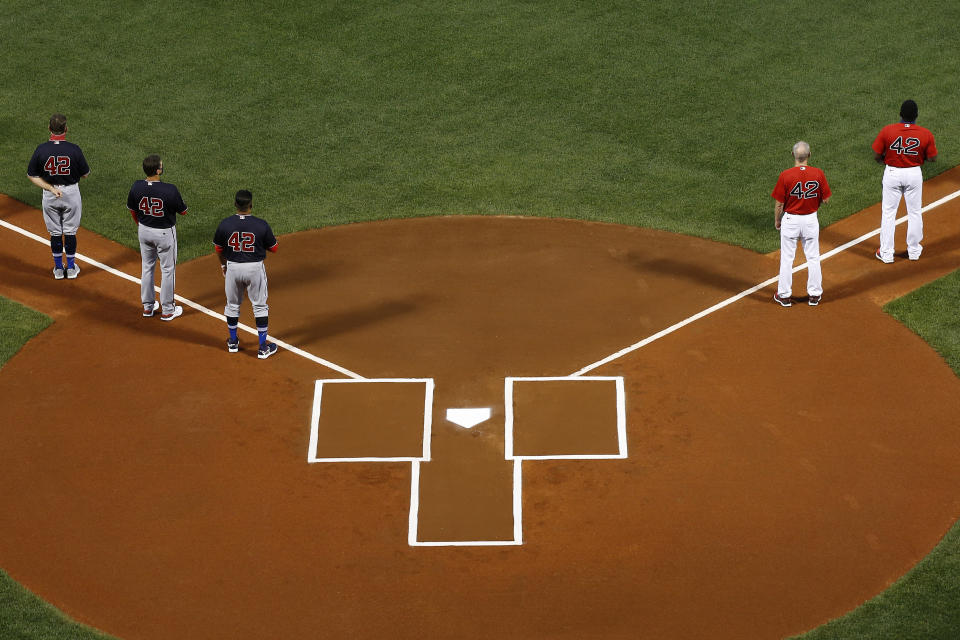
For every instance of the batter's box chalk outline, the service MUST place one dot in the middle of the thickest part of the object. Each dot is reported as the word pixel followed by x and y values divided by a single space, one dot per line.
pixel 621 419
pixel 427 420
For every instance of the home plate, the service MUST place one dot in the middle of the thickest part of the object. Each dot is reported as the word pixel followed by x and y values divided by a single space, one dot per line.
pixel 468 418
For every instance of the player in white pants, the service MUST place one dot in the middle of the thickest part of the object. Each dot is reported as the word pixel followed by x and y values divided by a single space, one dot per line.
pixel 799 192
pixel 903 146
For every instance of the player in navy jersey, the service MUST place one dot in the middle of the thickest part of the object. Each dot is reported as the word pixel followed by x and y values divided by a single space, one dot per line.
pixel 242 242
pixel 155 206
pixel 56 167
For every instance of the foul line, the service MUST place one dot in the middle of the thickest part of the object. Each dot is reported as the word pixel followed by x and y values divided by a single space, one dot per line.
pixel 745 293
pixel 191 304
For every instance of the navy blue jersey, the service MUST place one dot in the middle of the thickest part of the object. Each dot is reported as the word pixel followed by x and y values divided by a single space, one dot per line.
pixel 58 162
pixel 156 204
pixel 244 238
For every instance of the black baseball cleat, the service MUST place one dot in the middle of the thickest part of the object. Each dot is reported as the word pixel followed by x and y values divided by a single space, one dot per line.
pixel 813 300
pixel 233 345
pixel 783 302
pixel 266 351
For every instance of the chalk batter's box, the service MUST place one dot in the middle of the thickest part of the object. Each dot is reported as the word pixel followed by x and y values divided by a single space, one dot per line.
pixel 546 418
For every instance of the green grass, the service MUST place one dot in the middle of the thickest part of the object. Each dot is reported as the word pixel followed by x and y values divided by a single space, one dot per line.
pixel 17 325
pixel 675 116
pixel 23 616
pixel 668 115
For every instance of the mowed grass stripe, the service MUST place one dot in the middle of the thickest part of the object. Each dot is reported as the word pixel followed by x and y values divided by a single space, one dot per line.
pixel 665 116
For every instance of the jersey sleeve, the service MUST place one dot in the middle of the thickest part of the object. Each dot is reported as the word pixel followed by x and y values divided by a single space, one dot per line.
pixel 178 204
pixel 220 237
pixel 35 166
pixel 132 198
pixel 780 190
pixel 83 168
pixel 269 240
pixel 880 142
pixel 931 151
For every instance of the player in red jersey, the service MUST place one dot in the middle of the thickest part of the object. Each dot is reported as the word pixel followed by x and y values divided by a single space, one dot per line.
pixel 798 194
pixel 903 146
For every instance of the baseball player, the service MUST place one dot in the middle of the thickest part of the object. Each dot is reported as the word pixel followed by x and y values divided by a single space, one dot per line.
pixel 903 147
pixel 242 241
pixel 799 192
pixel 155 206
pixel 56 167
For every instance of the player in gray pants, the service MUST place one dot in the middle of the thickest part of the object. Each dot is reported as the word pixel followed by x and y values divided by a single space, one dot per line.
pixel 242 242
pixel 56 167
pixel 155 206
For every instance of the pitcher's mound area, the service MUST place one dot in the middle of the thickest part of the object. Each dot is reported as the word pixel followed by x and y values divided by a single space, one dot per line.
pixel 782 465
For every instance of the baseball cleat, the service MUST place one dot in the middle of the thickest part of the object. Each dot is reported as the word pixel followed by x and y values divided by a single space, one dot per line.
pixel 58 273
pixel 73 273
pixel 177 312
pixel 880 258
pixel 233 345
pixel 266 351
pixel 784 301
pixel 149 311
pixel 813 300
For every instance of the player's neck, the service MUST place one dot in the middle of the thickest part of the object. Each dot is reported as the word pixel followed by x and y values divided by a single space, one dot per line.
pixel 800 163
pixel 58 136
pixel 154 178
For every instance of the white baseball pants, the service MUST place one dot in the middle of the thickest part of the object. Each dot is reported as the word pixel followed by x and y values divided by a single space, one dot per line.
pixel 906 182
pixel 807 229
pixel 62 215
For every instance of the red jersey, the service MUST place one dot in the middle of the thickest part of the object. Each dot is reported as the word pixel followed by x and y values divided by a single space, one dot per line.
pixel 801 190
pixel 904 144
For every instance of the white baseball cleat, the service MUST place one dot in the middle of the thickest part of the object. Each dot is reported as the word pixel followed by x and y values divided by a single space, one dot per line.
pixel 58 274
pixel 177 312
pixel 74 272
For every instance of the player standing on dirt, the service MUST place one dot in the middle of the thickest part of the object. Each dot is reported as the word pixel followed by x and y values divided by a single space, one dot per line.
pixel 242 242
pixel 56 167
pixel 903 146
pixel 155 206
pixel 798 193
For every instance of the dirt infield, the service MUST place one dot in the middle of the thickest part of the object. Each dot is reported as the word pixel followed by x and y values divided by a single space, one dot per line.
pixel 784 465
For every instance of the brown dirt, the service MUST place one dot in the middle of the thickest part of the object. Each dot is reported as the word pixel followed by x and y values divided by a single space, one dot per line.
pixel 784 464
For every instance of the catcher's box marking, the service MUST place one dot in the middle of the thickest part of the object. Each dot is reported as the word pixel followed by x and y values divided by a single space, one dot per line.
pixel 468 418
pixel 191 304
pixel 751 290
pixel 414 517
pixel 621 426
pixel 427 421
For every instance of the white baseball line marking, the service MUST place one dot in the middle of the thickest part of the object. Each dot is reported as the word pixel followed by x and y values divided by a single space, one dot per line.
pixel 191 304
pixel 745 293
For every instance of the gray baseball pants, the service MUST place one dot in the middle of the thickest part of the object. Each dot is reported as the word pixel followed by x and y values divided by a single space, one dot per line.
pixel 62 215
pixel 250 277
pixel 158 244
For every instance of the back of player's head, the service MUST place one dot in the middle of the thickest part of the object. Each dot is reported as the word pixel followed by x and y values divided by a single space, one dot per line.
pixel 58 124
pixel 242 200
pixel 801 151
pixel 151 164
pixel 908 111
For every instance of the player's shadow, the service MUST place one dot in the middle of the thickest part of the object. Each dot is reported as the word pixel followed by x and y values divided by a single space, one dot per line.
pixel 689 271
pixel 87 302
pixel 210 293
pixel 325 325
pixel 875 274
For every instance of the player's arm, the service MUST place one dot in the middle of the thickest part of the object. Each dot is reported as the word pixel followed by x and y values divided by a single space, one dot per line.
pixel 46 186
pixel 777 214
pixel 878 157
pixel 223 259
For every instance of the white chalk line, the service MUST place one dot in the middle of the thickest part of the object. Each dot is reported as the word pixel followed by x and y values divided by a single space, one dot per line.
pixel 747 292
pixel 190 303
